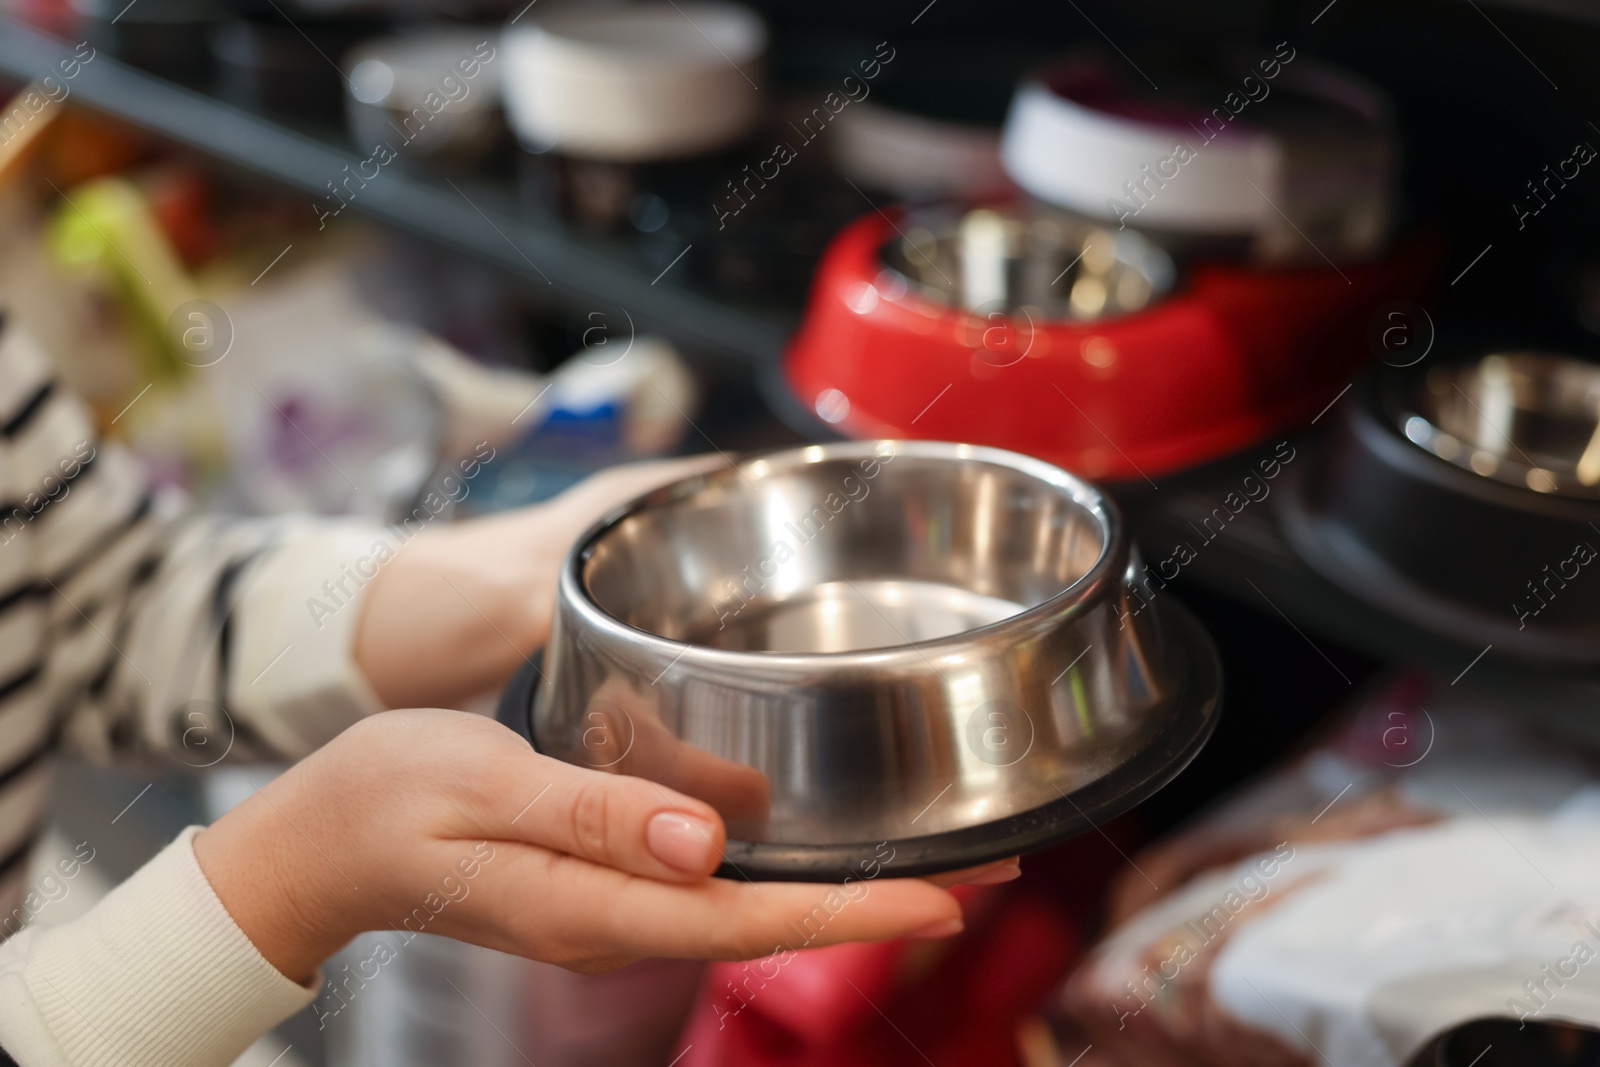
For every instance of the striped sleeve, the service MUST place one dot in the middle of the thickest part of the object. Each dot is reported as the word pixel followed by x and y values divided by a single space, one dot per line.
pixel 134 624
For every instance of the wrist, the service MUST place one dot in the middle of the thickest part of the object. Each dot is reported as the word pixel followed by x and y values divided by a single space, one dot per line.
pixel 458 609
pixel 281 890
pixel 507 572
pixel 461 606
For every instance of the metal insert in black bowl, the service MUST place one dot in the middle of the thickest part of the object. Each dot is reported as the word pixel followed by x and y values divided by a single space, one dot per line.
pixel 1523 418
pixel 1466 498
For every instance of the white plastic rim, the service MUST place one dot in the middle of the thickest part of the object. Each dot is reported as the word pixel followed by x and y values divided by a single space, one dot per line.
pixel 1079 158
pixel 912 155
pixel 1299 197
pixel 636 82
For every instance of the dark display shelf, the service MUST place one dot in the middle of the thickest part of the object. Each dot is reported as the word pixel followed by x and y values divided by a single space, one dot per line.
pixel 476 218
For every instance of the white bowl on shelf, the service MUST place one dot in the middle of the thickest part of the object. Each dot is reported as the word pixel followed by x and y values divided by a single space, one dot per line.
pixel 637 82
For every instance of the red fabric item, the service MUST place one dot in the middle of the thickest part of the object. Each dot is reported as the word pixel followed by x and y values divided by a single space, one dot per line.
pixel 955 1002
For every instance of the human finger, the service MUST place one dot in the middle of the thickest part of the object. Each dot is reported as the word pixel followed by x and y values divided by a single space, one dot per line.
pixel 596 913
pixel 614 820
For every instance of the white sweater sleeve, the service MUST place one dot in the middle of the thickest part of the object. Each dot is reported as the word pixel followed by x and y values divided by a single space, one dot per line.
pixel 128 624
pixel 155 975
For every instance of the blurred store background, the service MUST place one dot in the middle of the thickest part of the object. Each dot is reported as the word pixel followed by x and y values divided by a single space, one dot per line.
pixel 1179 248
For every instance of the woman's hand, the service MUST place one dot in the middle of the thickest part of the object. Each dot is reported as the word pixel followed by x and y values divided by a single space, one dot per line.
pixel 459 607
pixel 448 823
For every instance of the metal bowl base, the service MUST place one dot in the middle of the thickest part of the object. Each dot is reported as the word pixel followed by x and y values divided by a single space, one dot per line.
pixel 1190 717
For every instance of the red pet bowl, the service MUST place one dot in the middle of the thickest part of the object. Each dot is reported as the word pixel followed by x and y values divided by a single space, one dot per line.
pixel 1075 342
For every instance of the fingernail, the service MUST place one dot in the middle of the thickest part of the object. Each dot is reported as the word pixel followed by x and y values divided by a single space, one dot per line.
pixel 943 928
pixel 996 876
pixel 680 841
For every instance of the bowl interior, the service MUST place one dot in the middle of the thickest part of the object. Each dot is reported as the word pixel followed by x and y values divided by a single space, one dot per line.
pixel 837 554
pixel 1005 260
pixel 1522 418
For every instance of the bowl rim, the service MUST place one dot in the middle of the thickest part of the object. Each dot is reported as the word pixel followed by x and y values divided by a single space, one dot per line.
pixel 736 32
pixel 1087 590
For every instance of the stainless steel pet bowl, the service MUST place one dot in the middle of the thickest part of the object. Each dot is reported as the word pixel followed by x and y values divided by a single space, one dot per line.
pixel 929 651
pixel 1464 498
pixel 1524 418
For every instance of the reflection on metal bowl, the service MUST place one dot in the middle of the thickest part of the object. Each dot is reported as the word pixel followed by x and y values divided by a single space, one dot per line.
pixel 1059 266
pixel 926 644
pixel 1523 418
